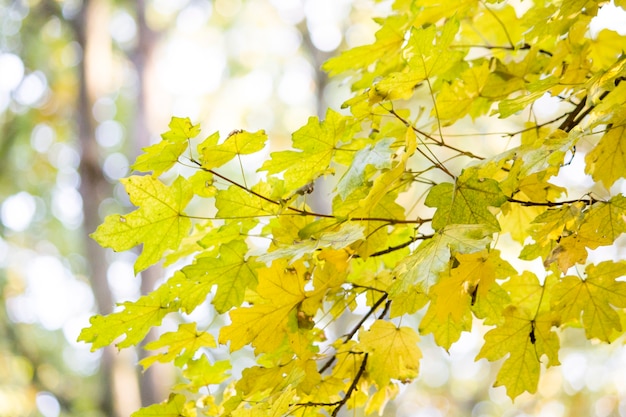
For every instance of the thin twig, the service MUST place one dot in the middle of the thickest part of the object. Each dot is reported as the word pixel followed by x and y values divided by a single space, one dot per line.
pixel 354 330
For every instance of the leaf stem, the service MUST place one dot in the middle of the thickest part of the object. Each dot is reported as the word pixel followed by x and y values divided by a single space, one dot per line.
pixel 435 140
pixel 303 212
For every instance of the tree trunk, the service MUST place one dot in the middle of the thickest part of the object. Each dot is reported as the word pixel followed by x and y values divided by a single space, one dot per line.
pixel 117 390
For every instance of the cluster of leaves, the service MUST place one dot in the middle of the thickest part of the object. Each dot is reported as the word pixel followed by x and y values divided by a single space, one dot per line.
pixel 374 255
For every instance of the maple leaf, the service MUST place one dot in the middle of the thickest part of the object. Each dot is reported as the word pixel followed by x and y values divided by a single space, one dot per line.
pixel 393 352
pixel 176 406
pixel 181 345
pixel 465 202
pixel 607 161
pixel 162 156
pixel 458 290
pixel 604 222
pixel 317 143
pixel 239 142
pixel 201 373
pixel 427 54
pixel 378 156
pixel 134 321
pixel 230 271
pixel 520 371
pixel 159 222
pixel 421 269
pixel 345 235
pixel 281 288
pixel 593 300
pixel 463 96
pixel 388 42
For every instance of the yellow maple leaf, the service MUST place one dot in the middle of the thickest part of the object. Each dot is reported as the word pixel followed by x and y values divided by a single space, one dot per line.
pixel 593 300
pixel 393 352
pixel 607 161
pixel 264 325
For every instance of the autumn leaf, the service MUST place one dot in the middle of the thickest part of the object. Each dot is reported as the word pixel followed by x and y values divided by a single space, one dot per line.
pixel 176 406
pixel 231 271
pixel 159 222
pixel 316 143
pixel 593 300
pixel 239 142
pixel 393 352
pixel 520 371
pixel 264 324
pixel 607 161
pixel 201 373
pixel 181 345
pixel 162 156
pixel 400 208
pixel 466 202
pixel 134 321
pixel 378 156
pixel 421 269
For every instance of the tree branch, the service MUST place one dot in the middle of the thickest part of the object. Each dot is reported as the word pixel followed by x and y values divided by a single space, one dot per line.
pixel 354 330
pixel 352 386
pixel 589 201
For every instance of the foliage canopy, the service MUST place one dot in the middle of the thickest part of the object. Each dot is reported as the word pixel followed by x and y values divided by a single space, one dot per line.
pixel 419 217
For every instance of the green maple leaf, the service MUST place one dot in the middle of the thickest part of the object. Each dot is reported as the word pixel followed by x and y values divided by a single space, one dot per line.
pixel 159 222
pixel 593 300
pixel 239 142
pixel 176 406
pixel 393 352
pixel 201 373
pixel 317 143
pixel 134 321
pixel 162 156
pixel 181 345
pixel 466 202
pixel 181 130
pixel 159 157
pixel 231 272
pixel 235 202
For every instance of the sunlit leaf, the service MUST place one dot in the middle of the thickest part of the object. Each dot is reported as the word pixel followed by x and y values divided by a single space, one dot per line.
pixel 393 352
pixel 159 222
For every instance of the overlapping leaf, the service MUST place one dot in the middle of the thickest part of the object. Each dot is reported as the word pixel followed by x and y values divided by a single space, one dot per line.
pixel 181 345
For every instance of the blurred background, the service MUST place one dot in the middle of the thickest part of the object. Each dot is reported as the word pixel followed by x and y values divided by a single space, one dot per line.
pixel 84 85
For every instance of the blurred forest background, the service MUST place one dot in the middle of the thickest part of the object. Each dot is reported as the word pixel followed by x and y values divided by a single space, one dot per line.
pixel 84 85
